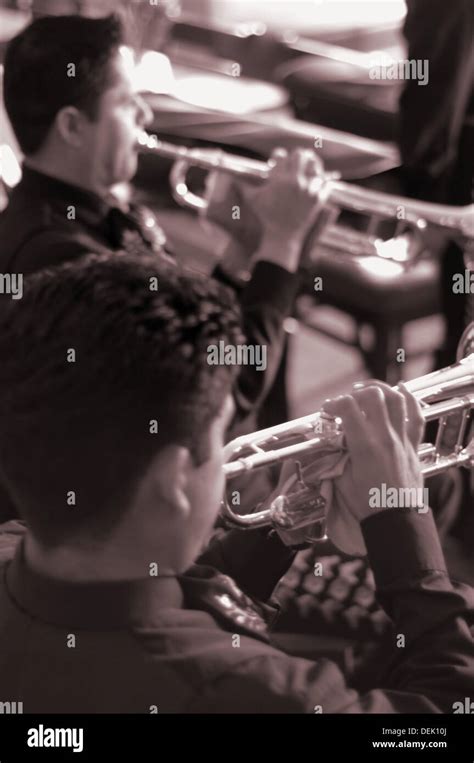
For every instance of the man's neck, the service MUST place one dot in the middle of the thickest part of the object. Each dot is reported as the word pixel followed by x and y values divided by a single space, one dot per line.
pixel 76 564
pixel 65 173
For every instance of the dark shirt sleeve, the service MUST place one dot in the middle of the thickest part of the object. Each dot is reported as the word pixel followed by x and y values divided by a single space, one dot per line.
pixel 432 671
pixel 256 560
pixel 432 115
pixel 265 301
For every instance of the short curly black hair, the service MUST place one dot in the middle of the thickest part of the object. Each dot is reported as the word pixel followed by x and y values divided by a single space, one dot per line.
pixel 90 356
pixel 36 81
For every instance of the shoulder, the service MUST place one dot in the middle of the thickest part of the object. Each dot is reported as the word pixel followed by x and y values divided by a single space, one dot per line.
pixel 36 236
pixel 23 220
pixel 217 671
pixel 249 676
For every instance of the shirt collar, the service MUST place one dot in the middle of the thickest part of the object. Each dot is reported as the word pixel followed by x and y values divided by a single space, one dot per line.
pixel 90 606
pixel 48 187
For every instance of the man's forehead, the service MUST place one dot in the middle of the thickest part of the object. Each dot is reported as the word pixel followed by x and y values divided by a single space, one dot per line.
pixel 126 62
pixel 121 72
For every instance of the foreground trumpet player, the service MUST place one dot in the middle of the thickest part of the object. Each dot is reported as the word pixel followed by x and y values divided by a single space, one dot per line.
pixel 102 607
pixel 79 132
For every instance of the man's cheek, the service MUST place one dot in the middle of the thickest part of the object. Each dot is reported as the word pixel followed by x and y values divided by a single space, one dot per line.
pixel 127 127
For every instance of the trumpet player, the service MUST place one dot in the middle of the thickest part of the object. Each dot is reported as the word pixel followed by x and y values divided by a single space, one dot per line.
pixel 118 513
pixel 73 107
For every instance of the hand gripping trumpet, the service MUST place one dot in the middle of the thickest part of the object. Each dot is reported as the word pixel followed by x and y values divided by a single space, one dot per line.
pixel 446 396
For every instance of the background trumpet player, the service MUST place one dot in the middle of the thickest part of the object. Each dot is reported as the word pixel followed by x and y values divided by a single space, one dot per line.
pixel 115 566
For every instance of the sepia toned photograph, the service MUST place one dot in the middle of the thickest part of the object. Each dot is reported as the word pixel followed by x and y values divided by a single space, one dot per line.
pixel 236 373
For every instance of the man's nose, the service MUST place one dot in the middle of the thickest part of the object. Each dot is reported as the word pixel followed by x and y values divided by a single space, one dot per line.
pixel 145 112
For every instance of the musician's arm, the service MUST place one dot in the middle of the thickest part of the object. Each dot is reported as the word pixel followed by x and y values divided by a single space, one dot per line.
pixel 267 240
pixel 265 302
pixel 255 560
pixel 433 664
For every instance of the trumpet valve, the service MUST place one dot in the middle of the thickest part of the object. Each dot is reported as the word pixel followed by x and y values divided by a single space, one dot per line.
pixel 299 517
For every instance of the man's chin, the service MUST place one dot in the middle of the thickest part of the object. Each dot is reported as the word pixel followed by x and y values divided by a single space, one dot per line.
pixel 127 170
pixel 118 184
pixel 131 168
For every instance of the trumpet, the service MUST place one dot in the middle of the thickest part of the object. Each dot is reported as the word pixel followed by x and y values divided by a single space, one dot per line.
pixel 446 396
pixel 411 212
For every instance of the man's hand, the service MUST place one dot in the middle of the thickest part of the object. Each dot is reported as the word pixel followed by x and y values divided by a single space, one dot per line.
pixel 230 207
pixel 287 204
pixel 383 429
pixel 274 218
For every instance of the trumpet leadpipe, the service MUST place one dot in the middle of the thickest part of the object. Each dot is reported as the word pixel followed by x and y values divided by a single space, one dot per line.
pixel 213 159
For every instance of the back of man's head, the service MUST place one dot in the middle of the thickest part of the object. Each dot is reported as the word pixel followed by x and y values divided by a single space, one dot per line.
pixel 54 62
pixel 104 362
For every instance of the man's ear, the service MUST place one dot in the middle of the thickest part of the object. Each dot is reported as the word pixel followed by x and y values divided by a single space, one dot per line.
pixel 69 123
pixel 167 479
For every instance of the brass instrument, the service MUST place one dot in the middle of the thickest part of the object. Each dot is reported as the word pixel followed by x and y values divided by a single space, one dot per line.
pixel 446 395
pixel 414 213
pixel 336 195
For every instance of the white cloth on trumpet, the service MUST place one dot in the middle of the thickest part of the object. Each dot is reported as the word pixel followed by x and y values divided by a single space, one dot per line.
pixel 343 528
